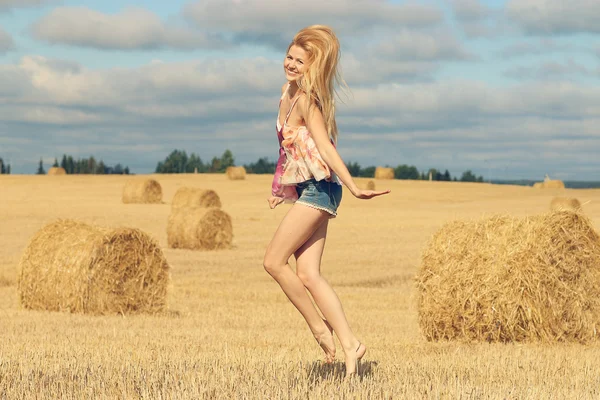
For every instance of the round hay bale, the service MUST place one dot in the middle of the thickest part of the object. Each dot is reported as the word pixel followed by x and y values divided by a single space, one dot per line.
pixel 236 173
pixel 370 185
pixel 538 185
pixel 565 204
pixel 142 191
pixel 504 279
pixel 384 173
pixel 195 197
pixel 553 184
pixel 57 171
pixel 199 229
pixel 76 267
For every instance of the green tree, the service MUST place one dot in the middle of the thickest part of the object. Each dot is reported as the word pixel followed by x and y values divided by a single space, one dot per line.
pixel 175 163
pixel 353 168
pixel 2 168
pixel 100 168
pixel 468 176
pixel 195 163
pixel 227 160
pixel 215 165
pixel 91 165
pixel 70 165
pixel 447 177
pixel 63 163
pixel 262 166
pixel 41 170
pixel 406 172
pixel 368 172
pixel 55 163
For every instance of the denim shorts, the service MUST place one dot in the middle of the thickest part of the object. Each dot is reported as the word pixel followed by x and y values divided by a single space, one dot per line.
pixel 322 195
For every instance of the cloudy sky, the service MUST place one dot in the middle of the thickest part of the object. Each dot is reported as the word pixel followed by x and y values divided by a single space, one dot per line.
pixel 508 89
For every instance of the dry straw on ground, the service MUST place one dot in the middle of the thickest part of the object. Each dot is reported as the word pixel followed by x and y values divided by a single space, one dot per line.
pixel 57 171
pixel 142 191
pixel 370 185
pixel 565 204
pixel 195 197
pixel 236 173
pixel 549 184
pixel 384 173
pixel 506 279
pixel 76 267
pixel 199 229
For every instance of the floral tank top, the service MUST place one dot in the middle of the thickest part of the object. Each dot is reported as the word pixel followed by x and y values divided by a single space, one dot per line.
pixel 299 160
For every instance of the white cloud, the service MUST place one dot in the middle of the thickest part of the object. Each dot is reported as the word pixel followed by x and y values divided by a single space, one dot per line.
pixel 8 4
pixel 138 115
pixel 415 46
pixel 538 47
pixel 555 17
pixel 470 10
pixel 133 28
pixel 275 22
pixel 551 70
pixel 6 41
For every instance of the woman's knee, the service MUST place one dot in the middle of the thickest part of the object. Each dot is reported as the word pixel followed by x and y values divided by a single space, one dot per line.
pixel 271 265
pixel 309 279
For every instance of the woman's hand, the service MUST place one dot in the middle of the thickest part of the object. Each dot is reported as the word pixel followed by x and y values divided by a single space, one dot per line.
pixel 274 201
pixel 369 194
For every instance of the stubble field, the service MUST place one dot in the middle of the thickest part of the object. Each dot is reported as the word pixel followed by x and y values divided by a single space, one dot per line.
pixel 230 332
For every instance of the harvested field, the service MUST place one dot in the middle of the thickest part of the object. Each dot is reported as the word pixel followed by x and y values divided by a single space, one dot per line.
pixel 230 332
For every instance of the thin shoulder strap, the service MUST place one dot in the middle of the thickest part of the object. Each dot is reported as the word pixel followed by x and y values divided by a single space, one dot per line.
pixel 291 108
pixel 284 92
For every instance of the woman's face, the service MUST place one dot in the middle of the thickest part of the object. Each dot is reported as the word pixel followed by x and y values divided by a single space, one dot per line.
pixel 295 63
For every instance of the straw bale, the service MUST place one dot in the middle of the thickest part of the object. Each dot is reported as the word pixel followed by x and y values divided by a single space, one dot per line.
pixel 384 173
pixel 199 229
pixel 57 171
pixel 81 268
pixel 565 204
pixel 553 184
pixel 236 173
pixel 370 185
pixel 142 191
pixel 195 197
pixel 549 184
pixel 504 279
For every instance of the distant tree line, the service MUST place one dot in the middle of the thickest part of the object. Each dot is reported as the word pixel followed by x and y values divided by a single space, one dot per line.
pixel 4 169
pixel 179 162
pixel 411 172
pixel 84 166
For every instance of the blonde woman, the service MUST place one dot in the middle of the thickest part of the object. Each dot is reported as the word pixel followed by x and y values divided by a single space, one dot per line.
pixel 309 174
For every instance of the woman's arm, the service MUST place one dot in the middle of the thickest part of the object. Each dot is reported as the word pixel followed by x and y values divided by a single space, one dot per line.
pixel 316 126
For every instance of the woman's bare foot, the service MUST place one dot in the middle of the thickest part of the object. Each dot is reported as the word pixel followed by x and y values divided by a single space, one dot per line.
pixel 353 356
pixel 327 343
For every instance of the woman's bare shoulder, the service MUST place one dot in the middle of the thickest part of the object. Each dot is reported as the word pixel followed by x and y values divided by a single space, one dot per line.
pixel 305 103
pixel 283 87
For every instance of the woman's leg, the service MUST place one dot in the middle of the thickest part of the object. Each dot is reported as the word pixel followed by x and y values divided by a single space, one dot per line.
pixel 297 226
pixel 308 269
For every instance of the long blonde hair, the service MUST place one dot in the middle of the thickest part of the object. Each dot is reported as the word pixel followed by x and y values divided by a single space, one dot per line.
pixel 323 49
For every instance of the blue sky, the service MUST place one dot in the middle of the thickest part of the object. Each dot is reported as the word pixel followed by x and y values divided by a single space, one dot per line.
pixel 508 89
